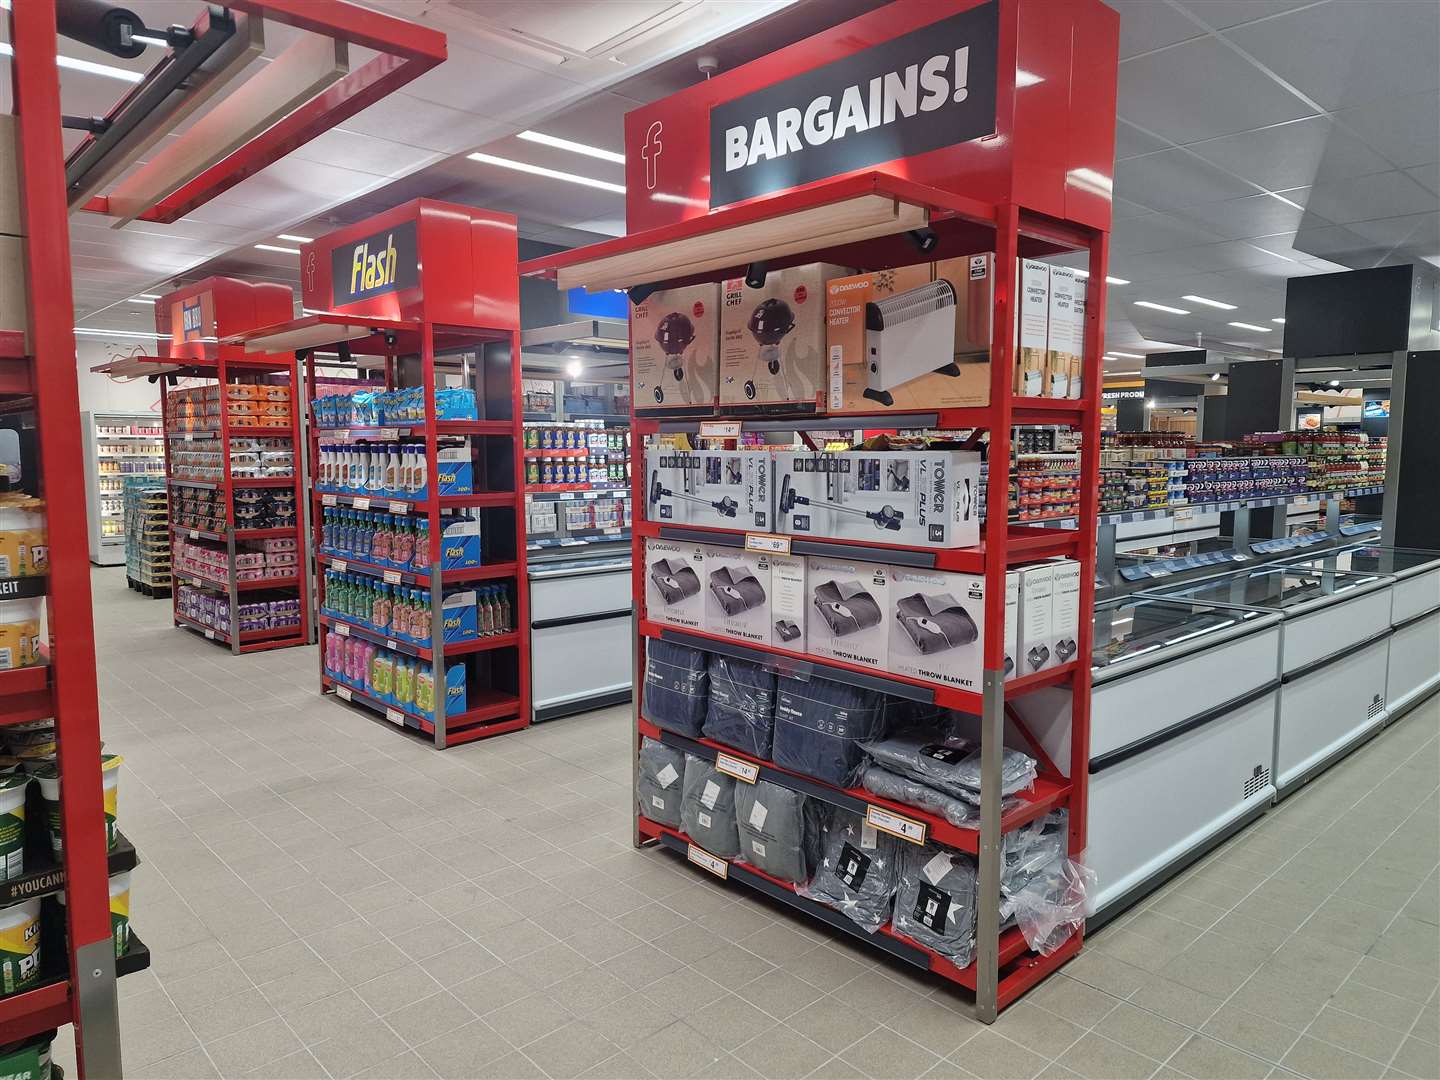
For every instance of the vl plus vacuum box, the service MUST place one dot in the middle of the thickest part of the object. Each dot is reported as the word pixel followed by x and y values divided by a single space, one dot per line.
pixel 737 594
pixel 850 609
pixel 772 339
pixel 674 583
pixel 921 498
pixel 937 632
pixel 723 489
pixel 675 348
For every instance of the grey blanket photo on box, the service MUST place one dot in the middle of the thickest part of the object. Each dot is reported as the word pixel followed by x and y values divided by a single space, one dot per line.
pixel 948 763
pixel 660 783
pixel 741 711
pixel 858 871
pixel 707 808
pixel 677 684
pixel 779 830
pixel 819 726
pixel 935 901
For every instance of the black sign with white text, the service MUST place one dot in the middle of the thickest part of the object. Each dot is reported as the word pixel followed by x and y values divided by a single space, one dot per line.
pixel 930 88
pixel 375 265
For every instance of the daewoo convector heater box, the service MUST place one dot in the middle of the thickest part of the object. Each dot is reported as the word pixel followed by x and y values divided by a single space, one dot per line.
pixel 909 335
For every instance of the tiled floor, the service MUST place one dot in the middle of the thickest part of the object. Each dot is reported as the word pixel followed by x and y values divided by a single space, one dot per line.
pixel 325 897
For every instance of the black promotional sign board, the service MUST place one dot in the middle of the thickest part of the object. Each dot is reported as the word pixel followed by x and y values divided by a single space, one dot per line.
pixel 930 88
pixel 378 264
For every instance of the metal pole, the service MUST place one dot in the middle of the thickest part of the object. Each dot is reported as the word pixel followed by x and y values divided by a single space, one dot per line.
pixel 432 512
pixel 987 922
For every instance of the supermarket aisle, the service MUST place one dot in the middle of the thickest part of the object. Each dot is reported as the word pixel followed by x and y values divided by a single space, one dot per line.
pixel 326 898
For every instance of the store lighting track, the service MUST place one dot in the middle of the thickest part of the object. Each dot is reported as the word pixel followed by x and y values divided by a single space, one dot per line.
pixel 1208 302
pixel 1161 307
pixel 551 174
pixel 846 221
pixel 574 147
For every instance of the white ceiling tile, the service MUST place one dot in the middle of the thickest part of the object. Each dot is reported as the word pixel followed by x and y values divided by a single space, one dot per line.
pixel 1415 234
pixel 1130 141
pixel 1146 25
pixel 1219 14
pixel 1230 255
pixel 1427 176
pixel 1174 179
pixel 429 125
pixel 1350 51
pixel 483 83
pixel 1157 232
pixel 1120 209
pixel 1292 155
pixel 1254 216
pixel 1364 198
pixel 1404 129
pixel 1335 243
pixel 1201 90
pixel 365 153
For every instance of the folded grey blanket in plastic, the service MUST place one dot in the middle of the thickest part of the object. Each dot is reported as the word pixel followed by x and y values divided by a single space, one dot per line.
pixel 960 812
pixel 858 871
pixel 779 830
pixel 741 712
pixel 1029 850
pixel 660 783
pixel 935 901
pixel 707 808
pixel 820 726
pixel 948 763
pixel 677 685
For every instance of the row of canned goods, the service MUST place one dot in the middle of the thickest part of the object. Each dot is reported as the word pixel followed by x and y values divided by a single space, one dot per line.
pixel 569 470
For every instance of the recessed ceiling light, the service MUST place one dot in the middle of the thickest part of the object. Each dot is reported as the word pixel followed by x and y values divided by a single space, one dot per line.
pixel 575 147
pixel 293 238
pixel 281 250
pixel 574 368
pixel 553 174
pixel 1252 326
pixel 85 65
pixel 1280 321
pixel 1209 303
pixel 1161 307
pixel 1130 355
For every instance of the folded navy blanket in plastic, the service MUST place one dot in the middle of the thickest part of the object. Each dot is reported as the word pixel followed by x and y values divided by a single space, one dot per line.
pixel 677 684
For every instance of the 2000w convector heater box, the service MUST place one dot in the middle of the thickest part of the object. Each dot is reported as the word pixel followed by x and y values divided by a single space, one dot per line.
pixel 909 335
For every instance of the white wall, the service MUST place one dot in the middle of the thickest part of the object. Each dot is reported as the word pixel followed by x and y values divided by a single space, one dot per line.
pixel 100 393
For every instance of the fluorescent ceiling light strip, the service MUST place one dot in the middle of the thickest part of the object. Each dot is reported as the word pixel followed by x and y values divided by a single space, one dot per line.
pixel 140 300
pixel 281 250
pixel 553 174
pixel 1161 307
pixel 1252 326
pixel 573 147
pixel 88 332
pixel 1280 321
pixel 1131 355
pixel 293 238
pixel 1083 274
pixel 147 296
pixel 1208 302
pixel 85 65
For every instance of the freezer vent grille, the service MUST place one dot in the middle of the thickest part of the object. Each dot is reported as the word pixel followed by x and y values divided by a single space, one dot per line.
pixel 1259 780
pixel 1376 707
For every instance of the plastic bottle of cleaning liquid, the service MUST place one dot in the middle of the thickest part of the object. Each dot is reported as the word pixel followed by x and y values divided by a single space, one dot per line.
pixel 419 475
pixel 505 617
pixel 392 469
pixel 380 614
pixel 382 545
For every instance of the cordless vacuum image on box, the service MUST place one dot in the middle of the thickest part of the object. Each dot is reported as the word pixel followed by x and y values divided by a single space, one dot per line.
pixel 935 623
pixel 768 325
pixel 736 589
pixel 846 607
pixel 886 517
pixel 726 506
pixel 675 580
pixel 674 335
pixel 909 335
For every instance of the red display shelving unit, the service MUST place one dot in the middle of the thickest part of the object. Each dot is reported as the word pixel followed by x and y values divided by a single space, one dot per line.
pixel 1035 187
pixel 195 318
pixel 76 982
pixel 449 315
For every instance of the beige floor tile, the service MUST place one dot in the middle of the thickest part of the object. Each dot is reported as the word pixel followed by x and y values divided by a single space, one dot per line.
pixel 782 1053
pixel 1098 1058
pixel 1207 1059
pixel 1251 1032
pixel 676 1050
pixel 1323 1061
pixel 832 1023
pixel 995 1057
pixel 884 1053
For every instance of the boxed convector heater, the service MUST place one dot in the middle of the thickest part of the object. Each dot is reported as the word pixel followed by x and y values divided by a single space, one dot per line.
pixel 909 335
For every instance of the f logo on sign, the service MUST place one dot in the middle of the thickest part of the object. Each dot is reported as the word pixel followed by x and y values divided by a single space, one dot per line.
pixel 651 153
pixel 310 272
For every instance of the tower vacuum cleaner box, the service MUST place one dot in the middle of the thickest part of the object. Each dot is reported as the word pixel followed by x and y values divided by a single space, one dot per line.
pixel 675 348
pixel 668 482
pixel 938 628
pixel 789 601
pixel 916 498
pixel 675 583
pixel 772 339
pixel 733 489
pixel 849 611
pixel 737 594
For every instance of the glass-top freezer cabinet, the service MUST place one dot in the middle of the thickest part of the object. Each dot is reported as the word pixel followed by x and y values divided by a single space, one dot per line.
pixel 1182 727
pixel 1334 655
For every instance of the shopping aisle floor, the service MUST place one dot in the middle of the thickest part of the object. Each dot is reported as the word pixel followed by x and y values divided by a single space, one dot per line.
pixel 324 897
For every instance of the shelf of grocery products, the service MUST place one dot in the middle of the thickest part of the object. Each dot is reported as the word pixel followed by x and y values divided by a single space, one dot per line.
pixel 396 431
pixel 399 505
pixel 396 576
pixel 611 492
pixel 400 644
pixel 476 722
pixel 147 537
pixel 1012 941
pixel 48 1004
pixel 268 634
pixel 44 876
pixel 1047 794
pixel 1125 517
pixel 189 577
pixel 1025 411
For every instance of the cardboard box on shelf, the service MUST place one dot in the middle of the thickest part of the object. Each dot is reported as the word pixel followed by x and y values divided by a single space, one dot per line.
pixel 10 220
pixel 733 489
pixel 675 348
pixel 789 601
pixel 668 482
pixel 737 594
pixel 1077 345
pixel 675 583
pixel 1037 584
pixel 1032 322
pixel 1065 610
pixel 921 498
pixel 772 339
pixel 938 626
pixel 850 611
pixel 1012 624
pixel 1060 336
pixel 14 291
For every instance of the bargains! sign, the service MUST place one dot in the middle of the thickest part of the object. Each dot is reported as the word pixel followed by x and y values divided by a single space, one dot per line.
pixel 925 90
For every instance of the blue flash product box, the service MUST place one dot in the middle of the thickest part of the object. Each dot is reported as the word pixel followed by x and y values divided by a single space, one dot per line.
pixel 455 700
pixel 455 403
pixel 461 618
pixel 454 471
pixel 459 543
